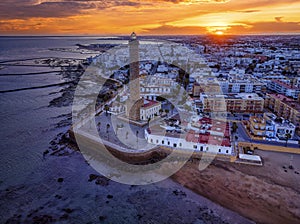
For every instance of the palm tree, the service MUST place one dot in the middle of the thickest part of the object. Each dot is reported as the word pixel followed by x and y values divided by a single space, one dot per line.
pixel 167 111
pixel 99 125
pixel 137 135
pixel 137 138
pixel 234 127
pixel 107 127
pixel 172 108
pixel 106 108
pixel 287 137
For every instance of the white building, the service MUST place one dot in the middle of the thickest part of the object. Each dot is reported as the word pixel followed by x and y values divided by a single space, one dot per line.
pixel 284 128
pixel 193 140
pixel 150 109
pixel 152 86
pixel 285 88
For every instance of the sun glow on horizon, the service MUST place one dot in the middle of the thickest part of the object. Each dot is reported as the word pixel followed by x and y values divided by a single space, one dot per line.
pixel 219 33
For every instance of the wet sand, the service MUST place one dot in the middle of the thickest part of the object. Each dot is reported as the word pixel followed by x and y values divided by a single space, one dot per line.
pixel 67 190
pixel 268 194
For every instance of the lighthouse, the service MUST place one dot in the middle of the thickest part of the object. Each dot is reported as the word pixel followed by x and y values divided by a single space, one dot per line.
pixel 134 102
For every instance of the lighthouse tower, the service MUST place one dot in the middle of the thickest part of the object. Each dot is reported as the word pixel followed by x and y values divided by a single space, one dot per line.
pixel 134 102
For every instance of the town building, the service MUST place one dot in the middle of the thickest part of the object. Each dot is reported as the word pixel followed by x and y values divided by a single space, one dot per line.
pixel 234 103
pixel 284 107
pixel 229 84
pixel 150 109
pixel 285 88
pixel 210 136
pixel 270 127
pixel 156 85
pixel 241 84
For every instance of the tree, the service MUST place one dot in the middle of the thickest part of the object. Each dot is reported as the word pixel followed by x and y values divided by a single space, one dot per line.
pixel 172 108
pixel 287 137
pixel 160 111
pixel 99 125
pixel 107 132
pixel 187 108
pixel 234 127
pixel 137 136
pixel 167 111
pixel 106 108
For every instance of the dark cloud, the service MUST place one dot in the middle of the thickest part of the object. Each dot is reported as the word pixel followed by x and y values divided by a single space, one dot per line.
pixel 266 27
pixel 278 19
pixel 195 1
pixel 249 11
pixel 20 9
pixel 246 28
pixel 174 30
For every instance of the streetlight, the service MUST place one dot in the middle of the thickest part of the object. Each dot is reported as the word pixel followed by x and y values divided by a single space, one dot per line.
pixel 107 127
pixel 137 138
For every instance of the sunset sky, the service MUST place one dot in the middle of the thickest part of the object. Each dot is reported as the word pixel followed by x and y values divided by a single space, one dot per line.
pixel 148 17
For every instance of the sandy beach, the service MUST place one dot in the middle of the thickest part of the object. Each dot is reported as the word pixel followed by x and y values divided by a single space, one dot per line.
pixel 268 194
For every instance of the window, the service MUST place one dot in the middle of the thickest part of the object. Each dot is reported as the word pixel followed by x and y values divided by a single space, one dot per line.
pixel 156 140
pixel 168 143
pixel 219 150
pixel 195 146
pixel 174 145
pixel 201 148
pixel 227 151
pixel 151 140
pixel 163 142
pixel 180 144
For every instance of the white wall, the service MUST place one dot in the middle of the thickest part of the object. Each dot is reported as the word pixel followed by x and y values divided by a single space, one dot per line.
pixel 183 144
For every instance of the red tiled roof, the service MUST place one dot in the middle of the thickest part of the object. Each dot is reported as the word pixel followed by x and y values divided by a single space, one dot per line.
pixel 192 136
pixel 205 120
pixel 203 138
pixel 150 103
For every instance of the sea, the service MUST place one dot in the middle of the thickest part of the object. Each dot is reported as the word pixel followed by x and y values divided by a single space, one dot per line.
pixel 27 123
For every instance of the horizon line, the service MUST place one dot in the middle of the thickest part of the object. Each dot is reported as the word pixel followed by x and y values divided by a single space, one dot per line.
pixel 141 35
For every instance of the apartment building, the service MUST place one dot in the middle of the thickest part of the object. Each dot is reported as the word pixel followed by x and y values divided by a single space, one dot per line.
pixel 284 88
pixel 234 103
pixel 284 107
pixel 242 86
pixel 269 126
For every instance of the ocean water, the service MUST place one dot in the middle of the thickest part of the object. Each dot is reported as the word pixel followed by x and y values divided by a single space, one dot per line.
pixel 27 123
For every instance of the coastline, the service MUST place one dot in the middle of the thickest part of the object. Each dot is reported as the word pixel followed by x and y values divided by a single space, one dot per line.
pixel 62 190
pixel 264 194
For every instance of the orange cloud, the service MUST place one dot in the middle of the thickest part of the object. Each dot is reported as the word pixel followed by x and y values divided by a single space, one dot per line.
pixel 148 16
